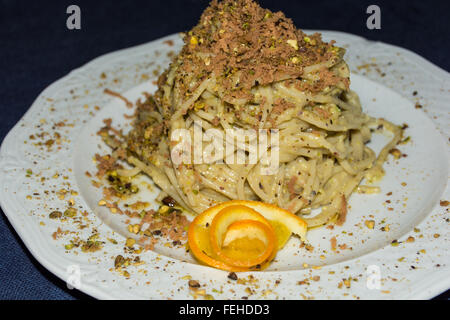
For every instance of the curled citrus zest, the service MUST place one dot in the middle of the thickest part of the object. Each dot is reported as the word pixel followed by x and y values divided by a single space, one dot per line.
pixel 242 235
pixel 227 216
pixel 219 228
pixel 198 245
pixel 245 232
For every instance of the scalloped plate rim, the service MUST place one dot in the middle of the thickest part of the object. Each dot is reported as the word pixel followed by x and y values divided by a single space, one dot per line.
pixel 432 290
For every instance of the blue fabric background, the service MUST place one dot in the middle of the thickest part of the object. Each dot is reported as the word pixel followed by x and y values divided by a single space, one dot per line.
pixel 36 49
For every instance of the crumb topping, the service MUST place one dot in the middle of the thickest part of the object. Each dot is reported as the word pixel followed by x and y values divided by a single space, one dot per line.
pixel 244 45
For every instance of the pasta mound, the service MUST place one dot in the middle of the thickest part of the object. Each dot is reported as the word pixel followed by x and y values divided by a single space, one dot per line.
pixel 245 67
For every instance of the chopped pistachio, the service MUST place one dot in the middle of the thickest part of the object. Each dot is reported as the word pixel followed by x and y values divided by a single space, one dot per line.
pixel 55 215
pixel 113 241
pixel 70 212
pixel 396 153
pixel 119 261
pixel 163 209
pixel 130 242
pixel 194 284
pixel 193 41
pixel 295 60
pixel 347 282
pixel 369 223
pixel 199 105
pixel 293 43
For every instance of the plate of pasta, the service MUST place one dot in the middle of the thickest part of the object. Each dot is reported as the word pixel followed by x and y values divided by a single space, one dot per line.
pixel 244 158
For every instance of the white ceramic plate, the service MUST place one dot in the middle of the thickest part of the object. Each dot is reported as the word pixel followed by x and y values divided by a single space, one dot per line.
pixel 75 107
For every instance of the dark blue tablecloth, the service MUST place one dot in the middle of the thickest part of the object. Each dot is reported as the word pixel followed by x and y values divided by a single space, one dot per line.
pixel 36 49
